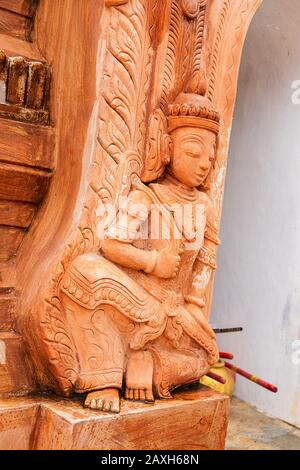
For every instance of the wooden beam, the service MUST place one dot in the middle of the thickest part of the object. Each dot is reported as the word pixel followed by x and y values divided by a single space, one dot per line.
pixel 22 7
pixel 15 25
pixel 18 113
pixel 13 46
pixel 27 144
pixel 10 240
pixel 16 214
pixel 7 310
pixel 23 184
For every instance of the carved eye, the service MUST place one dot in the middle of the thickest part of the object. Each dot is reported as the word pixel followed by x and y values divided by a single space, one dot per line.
pixel 194 154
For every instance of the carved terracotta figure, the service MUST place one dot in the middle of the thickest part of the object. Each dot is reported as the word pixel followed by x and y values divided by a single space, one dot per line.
pixel 134 309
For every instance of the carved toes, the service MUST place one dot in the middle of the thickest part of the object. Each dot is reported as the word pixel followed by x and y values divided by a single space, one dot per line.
pixel 107 400
pixel 149 396
pixel 136 394
pixel 115 407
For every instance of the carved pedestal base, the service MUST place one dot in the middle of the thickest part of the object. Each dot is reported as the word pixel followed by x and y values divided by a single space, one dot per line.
pixel 195 420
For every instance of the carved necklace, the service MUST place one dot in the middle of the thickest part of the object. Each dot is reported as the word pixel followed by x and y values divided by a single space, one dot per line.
pixel 180 192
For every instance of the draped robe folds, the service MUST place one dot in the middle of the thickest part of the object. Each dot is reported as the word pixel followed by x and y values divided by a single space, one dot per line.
pixel 113 310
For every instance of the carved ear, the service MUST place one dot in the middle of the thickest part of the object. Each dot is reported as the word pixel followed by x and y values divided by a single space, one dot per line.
pixel 158 148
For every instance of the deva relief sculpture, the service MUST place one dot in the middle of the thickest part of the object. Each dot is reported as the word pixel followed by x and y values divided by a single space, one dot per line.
pixel 120 308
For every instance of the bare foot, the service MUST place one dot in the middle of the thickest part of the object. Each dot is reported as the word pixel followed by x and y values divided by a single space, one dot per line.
pixel 107 399
pixel 139 375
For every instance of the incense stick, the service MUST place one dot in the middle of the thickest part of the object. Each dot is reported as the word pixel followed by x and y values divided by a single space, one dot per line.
pixel 226 355
pixel 216 377
pixel 252 378
pixel 227 330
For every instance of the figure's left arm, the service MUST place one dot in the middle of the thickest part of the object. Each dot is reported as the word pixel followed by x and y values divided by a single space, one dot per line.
pixel 205 265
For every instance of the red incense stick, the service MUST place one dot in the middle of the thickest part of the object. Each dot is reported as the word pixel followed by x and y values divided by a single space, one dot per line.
pixel 252 378
pixel 226 355
pixel 216 377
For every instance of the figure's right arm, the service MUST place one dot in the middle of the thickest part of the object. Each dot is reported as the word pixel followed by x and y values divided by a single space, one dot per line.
pixel 129 256
pixel 125 229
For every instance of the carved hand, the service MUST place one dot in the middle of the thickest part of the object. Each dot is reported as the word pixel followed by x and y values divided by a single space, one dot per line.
pixel 201 319
pixel 167 263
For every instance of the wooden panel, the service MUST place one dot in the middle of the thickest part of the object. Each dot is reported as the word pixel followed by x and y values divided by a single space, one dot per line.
pixel 7 310
pixel 13 46
pixel 15 25
pixel 22 184
pixel 10 240
pixel 26 144
pixel 16 214
pixel 23 7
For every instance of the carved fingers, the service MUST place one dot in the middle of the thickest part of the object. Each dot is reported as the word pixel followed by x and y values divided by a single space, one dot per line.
pixel 167 264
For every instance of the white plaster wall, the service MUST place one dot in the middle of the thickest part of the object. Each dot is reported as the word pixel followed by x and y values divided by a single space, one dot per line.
pixel 258 281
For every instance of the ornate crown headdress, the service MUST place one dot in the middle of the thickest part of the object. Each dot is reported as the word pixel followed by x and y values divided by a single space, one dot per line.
pixel 191 108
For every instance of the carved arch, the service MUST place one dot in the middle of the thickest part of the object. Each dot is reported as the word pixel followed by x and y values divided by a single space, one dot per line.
pixel 141 60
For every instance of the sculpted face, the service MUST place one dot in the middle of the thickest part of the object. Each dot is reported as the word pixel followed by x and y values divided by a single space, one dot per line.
pixel 192 155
